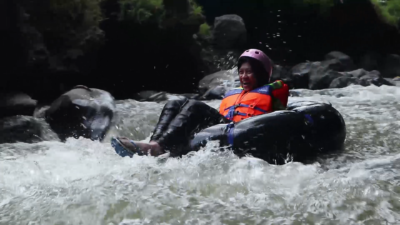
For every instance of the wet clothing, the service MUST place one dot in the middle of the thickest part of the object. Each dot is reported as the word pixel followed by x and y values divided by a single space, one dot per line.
pixel 238 104
pixel 180 120
pixel 300 132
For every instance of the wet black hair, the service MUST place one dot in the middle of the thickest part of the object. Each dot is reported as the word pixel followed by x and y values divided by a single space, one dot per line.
pixel 259 71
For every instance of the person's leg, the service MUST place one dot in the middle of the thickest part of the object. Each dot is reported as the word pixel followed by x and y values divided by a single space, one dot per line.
pixel 194 117
pixel 174 131
pixel 126 147
pixel 169 112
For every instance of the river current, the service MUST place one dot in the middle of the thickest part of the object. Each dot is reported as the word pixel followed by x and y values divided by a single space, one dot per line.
pixel 86 182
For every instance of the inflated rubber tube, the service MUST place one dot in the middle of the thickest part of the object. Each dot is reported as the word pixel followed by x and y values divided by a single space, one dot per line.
pixel 301 132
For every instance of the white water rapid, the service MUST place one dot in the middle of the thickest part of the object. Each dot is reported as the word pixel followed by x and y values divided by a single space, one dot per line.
pixel 85 182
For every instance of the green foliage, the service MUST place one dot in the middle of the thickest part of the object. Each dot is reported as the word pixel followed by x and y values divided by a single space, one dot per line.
pixel 389 9
pixel 141 10
pixel 196 9
pixel 204 29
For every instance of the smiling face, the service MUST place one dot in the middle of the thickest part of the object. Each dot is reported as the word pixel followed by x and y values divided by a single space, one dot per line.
pixel 247 77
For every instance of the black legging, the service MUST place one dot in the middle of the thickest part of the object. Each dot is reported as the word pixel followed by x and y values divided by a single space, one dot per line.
pixel 180 120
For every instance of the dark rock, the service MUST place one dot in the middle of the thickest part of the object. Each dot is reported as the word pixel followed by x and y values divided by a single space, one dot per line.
pixel 161 96
pixel 323 80
pixel 301 75
pixel 229 31
pixel 345 63
pixel 391 66
pixel 218 59
pixel 151 96
pixel 395 82
pixel 82 111
pixel 214 85
pixel 25 129
pixel 16 103
pixel 361 77
pixel 322 74
pixel 357 73
pixel 375 78
pixel 344 81
pixel 282 73
pixel 369 61
pixel 224 77
pixel 217 92
pixel 391 82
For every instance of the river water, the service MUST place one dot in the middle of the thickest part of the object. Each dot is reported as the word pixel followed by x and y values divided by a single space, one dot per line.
pixel 85 182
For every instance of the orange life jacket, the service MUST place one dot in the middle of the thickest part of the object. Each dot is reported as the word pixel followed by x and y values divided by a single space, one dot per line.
pixel 238 105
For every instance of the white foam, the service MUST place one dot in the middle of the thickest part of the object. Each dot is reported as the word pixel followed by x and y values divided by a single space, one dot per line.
pixel 85 182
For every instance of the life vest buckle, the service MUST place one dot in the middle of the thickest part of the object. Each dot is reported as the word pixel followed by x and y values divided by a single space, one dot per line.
pixel 252 106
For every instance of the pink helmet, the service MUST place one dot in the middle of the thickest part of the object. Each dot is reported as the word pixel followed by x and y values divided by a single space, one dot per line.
pixel 260 56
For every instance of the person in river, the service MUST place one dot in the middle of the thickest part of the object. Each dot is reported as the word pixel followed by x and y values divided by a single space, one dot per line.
pixel 181 119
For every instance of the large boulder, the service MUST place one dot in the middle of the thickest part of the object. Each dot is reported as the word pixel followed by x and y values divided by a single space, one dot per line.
pixel 229 31
pixel 16 103
pixel 82 111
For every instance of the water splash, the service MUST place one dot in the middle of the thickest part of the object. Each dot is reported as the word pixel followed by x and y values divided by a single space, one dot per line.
pixel 85 182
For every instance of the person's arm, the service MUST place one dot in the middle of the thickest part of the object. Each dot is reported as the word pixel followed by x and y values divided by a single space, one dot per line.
pixel 280 95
